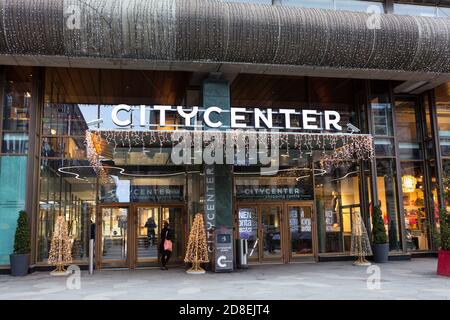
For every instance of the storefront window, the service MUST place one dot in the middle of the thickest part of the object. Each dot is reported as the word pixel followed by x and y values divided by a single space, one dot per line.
pixel 337 201
pixel 416 219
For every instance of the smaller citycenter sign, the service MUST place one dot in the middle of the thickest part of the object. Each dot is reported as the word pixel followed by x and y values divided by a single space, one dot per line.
pixel 211 117
pixel 300 192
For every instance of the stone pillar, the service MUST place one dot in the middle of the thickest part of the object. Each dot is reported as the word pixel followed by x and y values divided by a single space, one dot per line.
pixel 218 177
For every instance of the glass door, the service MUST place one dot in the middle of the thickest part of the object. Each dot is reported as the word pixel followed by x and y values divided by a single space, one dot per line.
pixel 149 222
pixel 301 231
pixel 271 233
pixel 278 232
pixel 147 237
pixel 114 236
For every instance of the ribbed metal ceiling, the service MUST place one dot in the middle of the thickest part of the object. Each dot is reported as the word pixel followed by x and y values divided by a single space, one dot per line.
pixel 216 31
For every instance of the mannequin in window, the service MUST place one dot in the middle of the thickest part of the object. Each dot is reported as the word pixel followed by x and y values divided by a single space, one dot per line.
pixel 335 205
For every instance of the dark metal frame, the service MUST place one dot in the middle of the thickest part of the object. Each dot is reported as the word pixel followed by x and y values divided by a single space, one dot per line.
pixel 33 185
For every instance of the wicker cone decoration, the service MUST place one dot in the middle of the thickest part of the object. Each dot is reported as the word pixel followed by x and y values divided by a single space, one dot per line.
pixel 360 246
pixel 61 247
pixel 197 249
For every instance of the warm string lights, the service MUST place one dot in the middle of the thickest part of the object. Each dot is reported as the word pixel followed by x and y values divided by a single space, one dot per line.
pixel 197 249
pixel 61 247
pixel 222 31
pixel 360 244
pixel 335 149
pixel 93 142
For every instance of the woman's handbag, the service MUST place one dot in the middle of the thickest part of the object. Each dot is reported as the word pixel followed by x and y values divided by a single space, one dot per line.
pixel 168 245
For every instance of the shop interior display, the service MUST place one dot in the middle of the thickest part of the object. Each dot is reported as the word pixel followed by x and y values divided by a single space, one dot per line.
pixel 415 220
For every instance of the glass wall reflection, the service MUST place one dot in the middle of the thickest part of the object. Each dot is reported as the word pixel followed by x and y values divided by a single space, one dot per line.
pixel 415 213
pixel 14 152
pixel 337 201
pixel 387 196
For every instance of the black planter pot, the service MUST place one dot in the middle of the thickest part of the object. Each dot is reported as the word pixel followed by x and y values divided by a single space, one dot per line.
pixel 20 263
pixel 380 253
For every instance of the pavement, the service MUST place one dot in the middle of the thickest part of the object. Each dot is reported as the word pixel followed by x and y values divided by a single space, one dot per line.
pixel 415 279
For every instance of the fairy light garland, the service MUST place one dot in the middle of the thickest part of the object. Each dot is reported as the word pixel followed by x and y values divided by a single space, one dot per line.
pixel 336 149
pixel 61 246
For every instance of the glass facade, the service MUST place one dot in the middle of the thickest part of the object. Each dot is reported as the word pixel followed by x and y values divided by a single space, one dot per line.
pixel 422 10
pixel 69 185
pixel 304 211
pixel 15 109
pixel 348 5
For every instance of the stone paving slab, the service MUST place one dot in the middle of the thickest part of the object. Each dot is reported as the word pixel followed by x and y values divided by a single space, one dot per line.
pixel 414 279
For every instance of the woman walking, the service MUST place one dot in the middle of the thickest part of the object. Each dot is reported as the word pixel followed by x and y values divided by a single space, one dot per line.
pixel 165 246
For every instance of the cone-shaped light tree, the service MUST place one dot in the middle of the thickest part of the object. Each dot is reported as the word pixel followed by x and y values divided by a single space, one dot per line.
pixel 197 249
pixel 360 246
pixel 61 247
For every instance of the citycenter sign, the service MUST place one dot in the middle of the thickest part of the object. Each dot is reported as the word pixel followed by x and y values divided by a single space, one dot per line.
pixel 212 117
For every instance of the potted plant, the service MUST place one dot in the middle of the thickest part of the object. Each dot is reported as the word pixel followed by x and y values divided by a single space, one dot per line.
pixel 20 259
pixel 443 239
pixel 380 239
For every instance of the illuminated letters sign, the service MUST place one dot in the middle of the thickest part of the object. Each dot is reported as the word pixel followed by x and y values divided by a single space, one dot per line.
pixel 261 118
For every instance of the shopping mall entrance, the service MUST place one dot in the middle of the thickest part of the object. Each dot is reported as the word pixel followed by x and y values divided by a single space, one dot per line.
pixel 282 231
pixel 128 235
